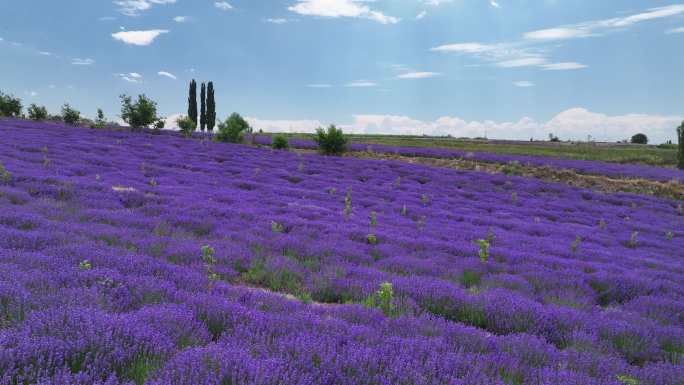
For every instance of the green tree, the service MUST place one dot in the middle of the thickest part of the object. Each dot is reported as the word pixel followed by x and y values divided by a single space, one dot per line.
pixel 187 126
pixel 211 107
pixel 9 105
pixel 639 139
pixel 192 102
pixel 203 107
pixel 680 154
pixel 139 114
pixel 37 112
pixel 331 141
pixel 70 115
pixel 233 129
pixel 100 121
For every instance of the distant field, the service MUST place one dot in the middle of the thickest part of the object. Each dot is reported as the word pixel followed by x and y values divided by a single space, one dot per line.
pixel 607 152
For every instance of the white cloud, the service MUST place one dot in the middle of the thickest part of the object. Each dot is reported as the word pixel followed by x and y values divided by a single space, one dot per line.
pixel 464 48
pixel 44 53
pixel 319 85
pixel 140 38
pixel 106 18
pixel 563 66
pixel 131 77
pixel 223 5
pixel 82 62
pixel 134 7
pixel 675 30
pixel 341 8
pixel 167 74
pixel 494 4
pixel 531 61
pixel 436 2
pixel 284 125
pixel 523 83
pixel 277 20
pixel 421 15
pixel 419 75
pixel 361 83
pixel 593 28
pixel 180 19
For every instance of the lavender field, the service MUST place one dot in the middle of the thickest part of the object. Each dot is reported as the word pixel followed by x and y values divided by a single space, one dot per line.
pixel 133 258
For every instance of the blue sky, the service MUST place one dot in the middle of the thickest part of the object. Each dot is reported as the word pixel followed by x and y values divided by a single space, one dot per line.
pixel 507 68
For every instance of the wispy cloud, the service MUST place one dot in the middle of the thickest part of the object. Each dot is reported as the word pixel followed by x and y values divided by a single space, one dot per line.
pixel 421 15
pixel 167 74
pixel 523 83
pixel 361 84
pixel 598 27
pixel 131 77
pixel 341 8
pixel 135 7
pixel 319 85
pixel 180 19
pixel 140 38
pixel 494 4
pixel 82 62
pixel 223 5
pixel 675 30
pixel 419 75
pixel 563 66
pixel 278 20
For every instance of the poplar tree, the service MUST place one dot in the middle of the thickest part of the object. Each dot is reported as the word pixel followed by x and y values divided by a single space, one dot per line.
pixel 211 107
pixel 680 154
pixel 203 107
pixel 192 102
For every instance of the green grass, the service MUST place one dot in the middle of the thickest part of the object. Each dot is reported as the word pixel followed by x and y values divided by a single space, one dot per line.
pixel 609 152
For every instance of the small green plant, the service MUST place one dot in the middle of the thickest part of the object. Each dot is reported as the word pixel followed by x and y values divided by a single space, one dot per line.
pixel 209 259
pixel 332 191
pixel 348 203
pixel 669 235
pixel 627 380
pixel 277 227
pixel 512 168
pixel 372 239
pixel 331 141
pixel 37 113
pixel 373 219
pixel 422 222
pixel 280 142
pixel 575 244
pixel 153 182
pixel 424 199
pixel 602 224
pixel 5 175
pixel 85 265
pixel 484 250
pixel 383 299
pixel 633 239
pixel 186 125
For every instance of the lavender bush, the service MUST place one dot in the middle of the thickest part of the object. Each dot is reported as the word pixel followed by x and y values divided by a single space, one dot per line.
pixel 106 278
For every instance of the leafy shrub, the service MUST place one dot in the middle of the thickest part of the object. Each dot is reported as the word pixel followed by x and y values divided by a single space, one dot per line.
pixel 484 250
pixel 639 139
pixel 383 299
pixel 331 141
pixel 280 142
pixel 85 265
pixel 37 113
pixel 187 125
pixel 140 114
pixel 553 138
pixel 9 105
pixel 233 129
pixel 70 116
pixel 277 227
pixel 209 261
pixel 372 239
pixel 5 176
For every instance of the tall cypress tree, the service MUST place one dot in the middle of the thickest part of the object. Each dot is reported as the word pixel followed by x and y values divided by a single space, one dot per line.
pixel 211 107
pixel 192 102
pixel 203 107
pixel 680 154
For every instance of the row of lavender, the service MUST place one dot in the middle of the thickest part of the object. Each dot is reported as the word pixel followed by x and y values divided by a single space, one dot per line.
pixel 103 280
pixel 582 166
